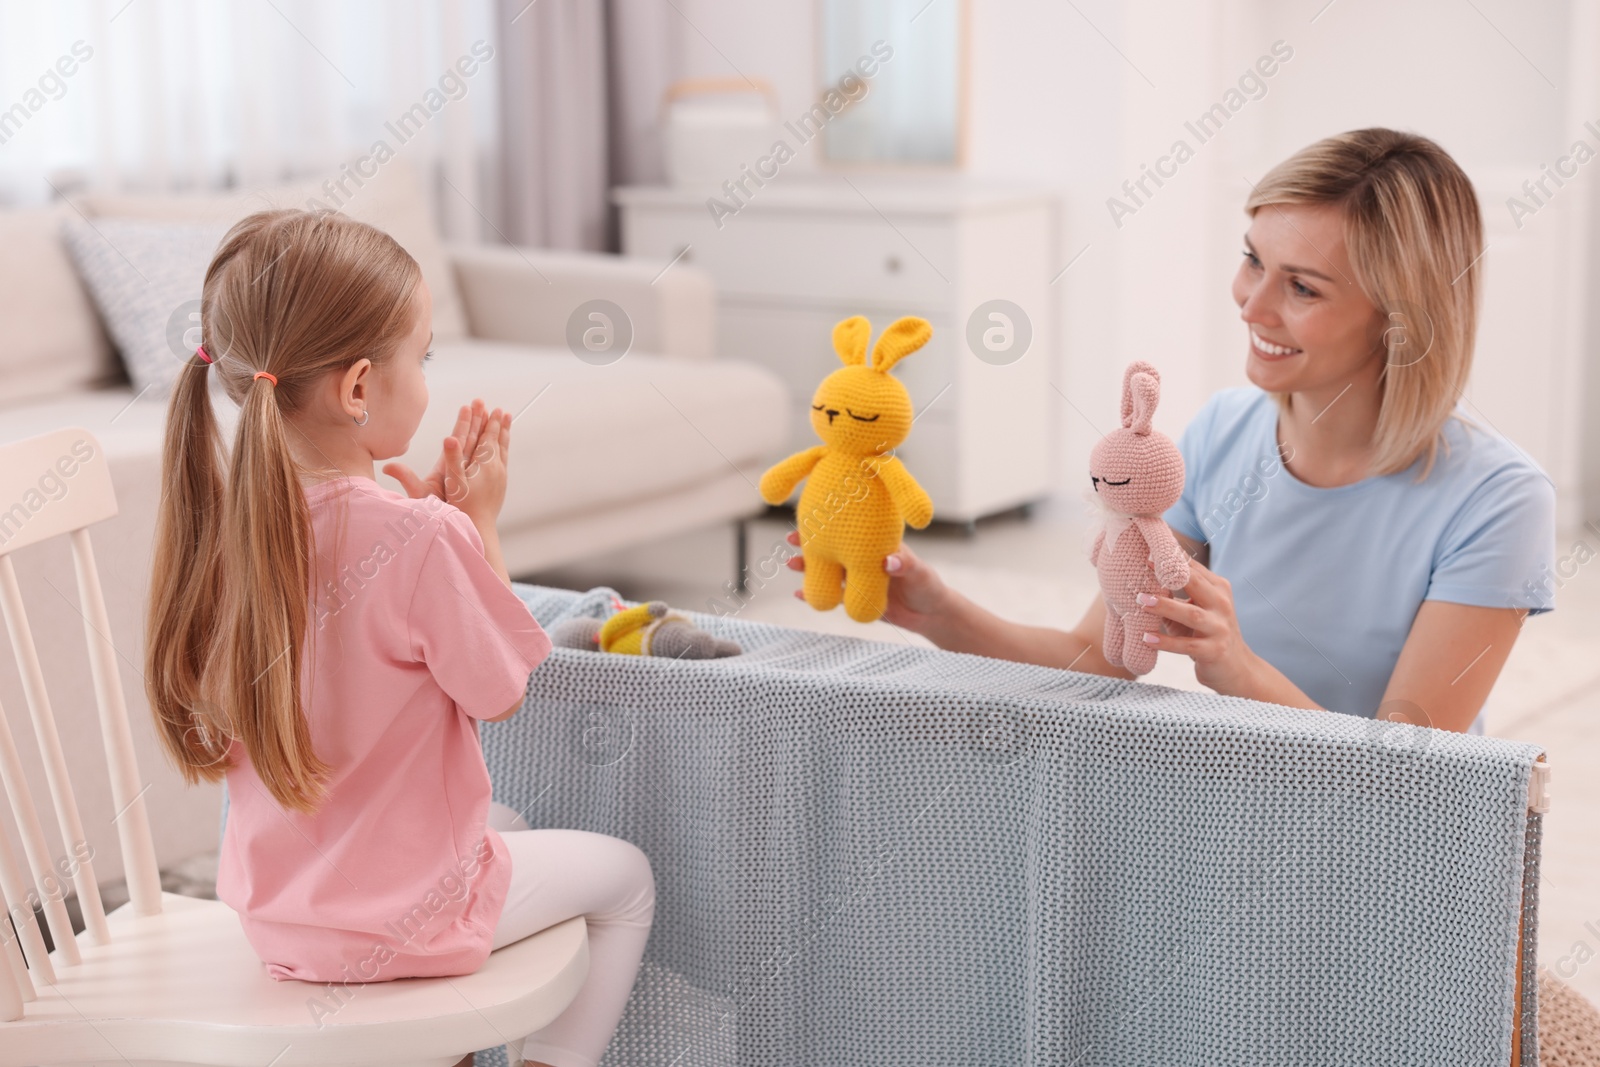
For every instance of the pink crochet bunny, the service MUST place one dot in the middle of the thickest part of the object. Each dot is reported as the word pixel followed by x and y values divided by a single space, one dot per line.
pixel 1137 475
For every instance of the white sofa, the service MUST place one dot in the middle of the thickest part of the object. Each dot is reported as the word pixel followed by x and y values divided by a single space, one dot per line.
pixel 666 439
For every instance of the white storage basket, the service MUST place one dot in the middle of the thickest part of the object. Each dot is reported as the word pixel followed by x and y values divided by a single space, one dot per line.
pixel 715 126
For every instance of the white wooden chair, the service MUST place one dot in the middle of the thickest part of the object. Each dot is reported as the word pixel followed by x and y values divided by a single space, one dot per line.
pixel 167 979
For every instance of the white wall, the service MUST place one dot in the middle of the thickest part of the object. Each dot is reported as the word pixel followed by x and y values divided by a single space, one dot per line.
pixel 1500 86
pixel 1077 97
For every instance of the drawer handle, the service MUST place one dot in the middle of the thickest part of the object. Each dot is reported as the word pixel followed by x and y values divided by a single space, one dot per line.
pixel 892 264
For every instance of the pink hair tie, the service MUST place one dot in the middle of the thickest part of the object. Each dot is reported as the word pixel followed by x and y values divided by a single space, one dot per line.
pixel 200 351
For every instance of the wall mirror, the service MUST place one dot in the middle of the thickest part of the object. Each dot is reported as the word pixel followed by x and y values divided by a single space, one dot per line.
pixel 910 110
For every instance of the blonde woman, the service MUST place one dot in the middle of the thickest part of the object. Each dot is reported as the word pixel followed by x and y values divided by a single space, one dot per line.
pixel 1362 545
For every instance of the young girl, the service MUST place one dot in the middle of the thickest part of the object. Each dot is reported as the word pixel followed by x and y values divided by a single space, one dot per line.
pixel 1361 545
pixel 329 646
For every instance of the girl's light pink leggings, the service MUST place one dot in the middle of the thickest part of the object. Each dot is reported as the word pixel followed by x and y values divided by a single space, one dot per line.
pixel 556 874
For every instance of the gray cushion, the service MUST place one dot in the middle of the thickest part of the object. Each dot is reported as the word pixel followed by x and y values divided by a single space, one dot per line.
pixel 145 279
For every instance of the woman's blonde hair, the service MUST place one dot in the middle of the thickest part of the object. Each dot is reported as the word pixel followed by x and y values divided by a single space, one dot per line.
pixel 298 294
pixel 1414 234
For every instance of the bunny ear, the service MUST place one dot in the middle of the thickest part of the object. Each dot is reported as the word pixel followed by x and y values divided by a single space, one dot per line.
pixel 901 339
pixel 1146 391
pixel 1138 366
pixel 850 339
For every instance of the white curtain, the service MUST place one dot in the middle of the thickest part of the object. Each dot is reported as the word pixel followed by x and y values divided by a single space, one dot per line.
pixel 553 84
pixel 199 94
pixel 581 86
pixel 646 57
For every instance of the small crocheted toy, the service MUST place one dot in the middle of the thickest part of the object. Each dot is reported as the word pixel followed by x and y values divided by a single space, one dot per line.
pixel 649 629
pixel 1137 474
pixel 858 497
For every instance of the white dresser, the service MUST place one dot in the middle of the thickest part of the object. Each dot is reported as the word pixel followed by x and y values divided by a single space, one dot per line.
pixel 803 253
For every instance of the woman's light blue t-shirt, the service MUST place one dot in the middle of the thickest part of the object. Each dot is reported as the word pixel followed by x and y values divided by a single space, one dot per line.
pixel 1326 582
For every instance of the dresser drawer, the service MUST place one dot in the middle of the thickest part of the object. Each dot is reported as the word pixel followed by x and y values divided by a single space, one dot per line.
pixel 805 256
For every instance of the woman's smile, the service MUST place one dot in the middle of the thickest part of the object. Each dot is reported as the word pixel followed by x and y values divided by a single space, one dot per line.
pixel 1264 349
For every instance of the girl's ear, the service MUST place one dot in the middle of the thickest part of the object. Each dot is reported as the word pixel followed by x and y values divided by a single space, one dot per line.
pixel 1138 366
pixel 901 339
pixel 850 339
pixel 1146 392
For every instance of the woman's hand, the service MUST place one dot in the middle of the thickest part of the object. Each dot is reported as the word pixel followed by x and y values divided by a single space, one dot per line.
pixel 1205 629
pixel 447 480
pixel 917 595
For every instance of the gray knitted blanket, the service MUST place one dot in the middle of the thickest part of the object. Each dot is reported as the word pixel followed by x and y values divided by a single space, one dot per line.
pixel 874 854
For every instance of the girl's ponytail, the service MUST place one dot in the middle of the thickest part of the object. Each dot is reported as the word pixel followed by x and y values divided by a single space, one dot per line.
pixel 266 561
pixel 185 585
pixel 297 295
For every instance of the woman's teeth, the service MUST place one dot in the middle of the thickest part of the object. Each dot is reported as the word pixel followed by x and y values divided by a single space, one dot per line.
pixel 1269 348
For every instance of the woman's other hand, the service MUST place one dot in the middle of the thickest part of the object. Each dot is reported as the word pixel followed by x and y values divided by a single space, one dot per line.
pixel 1206 629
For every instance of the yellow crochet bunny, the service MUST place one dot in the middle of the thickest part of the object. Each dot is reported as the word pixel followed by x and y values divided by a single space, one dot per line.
pixel 858 498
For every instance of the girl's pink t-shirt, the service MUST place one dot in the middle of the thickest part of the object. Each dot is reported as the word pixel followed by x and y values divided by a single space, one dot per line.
pixel 412 639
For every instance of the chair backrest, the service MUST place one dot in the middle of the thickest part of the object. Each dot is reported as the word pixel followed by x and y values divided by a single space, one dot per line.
pixel 56 484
